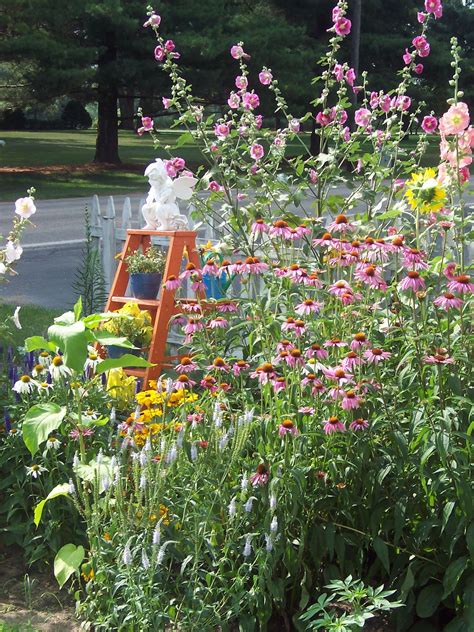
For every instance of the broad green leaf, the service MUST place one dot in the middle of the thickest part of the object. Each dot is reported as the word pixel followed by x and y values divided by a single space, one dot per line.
pixel 470 539
pixel 39 422
pixel 125 361
pixel 33 343
pixel 59 490
pixel 395 212
pixel 72 340
pixel 68 560
pixel 382 553
pixel 429 600
pixel 67 318
pixel 453 575
pixel 107 338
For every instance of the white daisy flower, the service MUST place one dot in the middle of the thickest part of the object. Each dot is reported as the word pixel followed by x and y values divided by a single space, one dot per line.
pixel 44 387
pixel 24 385
pixel 53 443
pixel 35 470
pixel 58 369
pixel 93 359
pixel 44 358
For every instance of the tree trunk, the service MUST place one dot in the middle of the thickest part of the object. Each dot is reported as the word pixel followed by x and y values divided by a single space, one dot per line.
pixel 106 148
pixel 355 46
pixel 127 112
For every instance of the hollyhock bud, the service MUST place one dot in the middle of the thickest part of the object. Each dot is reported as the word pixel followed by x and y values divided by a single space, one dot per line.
pixel 153 20
pixel 418 69
pixel 265 77
pixel 169 46
pixel 350 76
pixel 407 57
pixel 346 134
pixel 214 186
pixel 258 121
pixel 313 176
pixel 421 17
pixel 159 53
pixel 429 124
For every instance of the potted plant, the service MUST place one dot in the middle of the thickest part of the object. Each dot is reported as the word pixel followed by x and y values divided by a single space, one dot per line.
pixel 132 323
pixel 146 271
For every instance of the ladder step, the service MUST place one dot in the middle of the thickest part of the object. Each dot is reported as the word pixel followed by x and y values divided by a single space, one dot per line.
pixel 152 303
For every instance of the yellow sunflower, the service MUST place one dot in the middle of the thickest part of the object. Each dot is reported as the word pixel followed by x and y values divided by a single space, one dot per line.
pixel 424 194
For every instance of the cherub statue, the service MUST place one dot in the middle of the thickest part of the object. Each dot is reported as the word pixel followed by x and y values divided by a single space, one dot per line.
pixel 160 209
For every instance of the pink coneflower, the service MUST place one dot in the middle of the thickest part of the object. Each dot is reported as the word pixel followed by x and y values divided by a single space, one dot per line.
pixel 462 284
pixel 347 298
pixel 218 323
pixel 187 365
pixel 193 326
pixel 287 427
pixel 219 364
pixel 303 230
pixel 332 425
pixel 335 342
pixel 339 288
pixel 195 418
pixel 226 307
pixel 336 392
pixel 312 280
pixel 294 358
pixel 296 273
pixel 172 283
pixel 350 361
pixel 261 476
pixel 398 242
pixel 183 381
pixel 359 424
pixel 209 383
pixel 225 268
pixel 294 325
pixel 326 240
pixel 351 400
pixel 210 267
pixel 236 267
pixel 190 308
pixel 414 259
pixel 312 380
pixel 285 345
pixel 315 350
pixel 188 271
pixel 307 410
pixel 448 301
pixel 374 356
pixel 338 374
pixel 359 340
pixel 239 366
pixel 278 384
pixel 197 284
pixel 279 228
pixel 412 281
pixel 440 357
pixel 370 275
pixel 253 265
pixel 259 227
pixel 340 225
pixel 308 306
pixel 264 373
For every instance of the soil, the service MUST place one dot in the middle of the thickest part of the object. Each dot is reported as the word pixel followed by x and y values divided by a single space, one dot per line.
pixel 31 600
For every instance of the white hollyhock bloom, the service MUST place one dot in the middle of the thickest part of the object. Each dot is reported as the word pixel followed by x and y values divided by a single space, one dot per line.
pixel 25 207
pixel 13 251
pixel 24 385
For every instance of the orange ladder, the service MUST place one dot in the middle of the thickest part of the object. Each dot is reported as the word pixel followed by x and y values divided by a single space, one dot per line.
pixel 182 243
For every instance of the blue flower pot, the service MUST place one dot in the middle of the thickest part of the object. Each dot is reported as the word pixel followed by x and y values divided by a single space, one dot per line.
pixel 114 352
pixel 145 285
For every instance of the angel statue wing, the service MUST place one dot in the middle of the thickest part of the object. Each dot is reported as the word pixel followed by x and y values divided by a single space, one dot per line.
pixel 183 187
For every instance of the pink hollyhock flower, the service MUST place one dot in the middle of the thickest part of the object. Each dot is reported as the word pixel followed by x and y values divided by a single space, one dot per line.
pixel 147 125
pixel 338 71
pixel 166 103
pixel 461 284
pixel 193 325
pixel 407 57
pixel 362 117
pixel 256 151
pixel 308 307
pixel 265 77
pixel 336 13
pixel 455 120
pixel 313 176
pixel 350 76
pixel 346 134
pixel 239 366
pixel 241 82
pixel 294 125
pixel 419 42
pixel 435 7
pixel 159 53
pixel 221 130
pixel 412 281
pixel 325 118
pixel 359 424
pixel 424 52
pixel 259 227
pixel 219 364
pixel 250 100
pixel 182 382
pixel 214 186
pixel 342 26
pixel 374 356
pixel 261 476
pixel 169 46
pixel 237 51
pixel 172 283
pixel 421 17
pixel 429 124
pixel 332 425
pixel 418 69
pixel 287 427
pixel 403 103
pixel 218 323
pixel 186 365
pixel 385 103
pixel 351 400
pixel 258 121
pixel 448 301
pixel 233 100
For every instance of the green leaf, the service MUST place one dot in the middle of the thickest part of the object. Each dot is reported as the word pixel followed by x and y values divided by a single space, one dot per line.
pixel 107 338
pixel 382 553
pixel 68 560
pixel 39 422
pixel 33 343
pixel 67 318
pixel 185 139
pixel 125 361
pixel 470 539
pixel 59 490
pixel 429 600
pixel 390 214
pixel 78 309
pixel 453 575
pixel 72 340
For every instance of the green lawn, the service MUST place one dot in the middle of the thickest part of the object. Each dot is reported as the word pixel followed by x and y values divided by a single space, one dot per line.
pixel 72 148
pixel 34 321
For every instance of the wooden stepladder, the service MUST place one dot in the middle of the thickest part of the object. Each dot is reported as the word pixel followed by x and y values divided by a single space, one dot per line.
pixel 181 244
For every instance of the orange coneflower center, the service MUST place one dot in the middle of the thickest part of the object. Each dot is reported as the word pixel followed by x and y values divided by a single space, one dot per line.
pixel 44 354
pixel 339 373
pixel 351 354
pixel 326 236
pixel 186 360
pixel 25 378
pixel 397 241
pixel 267 367
pixel 462 278
pixel 183 379
pixel 350 394
pixel 377 352
pixel 360 337
pixel 294 267
pixel 335 340
pixel 172 277
pixel 280 223
pixel 341 219
pixel 369 240
pixel 190 266
pixel 370 271
pixel 413 274
pixel 299 323
pixel 219 362
pixel 287 423
pixel 39 367
pixel 448 295
pixel 241 363
pixel 340 284
pixel 295 353
pixel 262 468
pixel 333 420
pixel 315 346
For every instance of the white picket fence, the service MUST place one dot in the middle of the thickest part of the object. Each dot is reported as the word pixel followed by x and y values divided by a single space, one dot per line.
pixel 109 230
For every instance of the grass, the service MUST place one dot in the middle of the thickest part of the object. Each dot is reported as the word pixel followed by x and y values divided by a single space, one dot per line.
pixel 24 627
pixel 43 149
pixel 34 321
